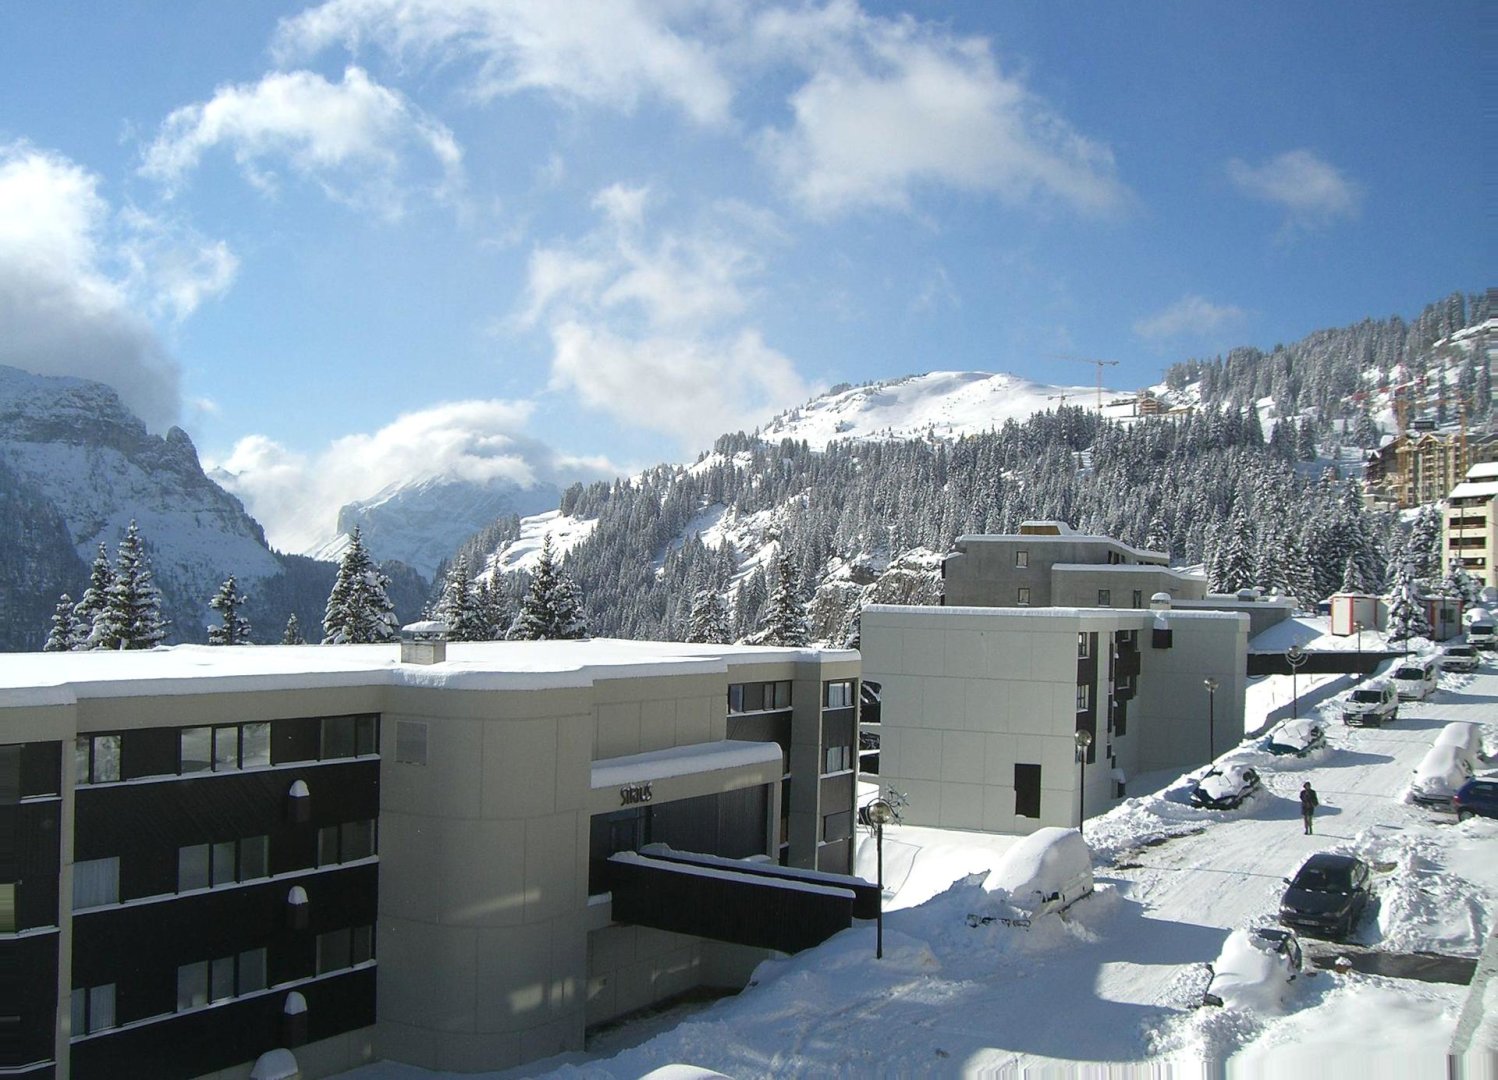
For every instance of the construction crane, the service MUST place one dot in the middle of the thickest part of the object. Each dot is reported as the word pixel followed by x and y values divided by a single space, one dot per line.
pixel 1100 364
pixel 1059 397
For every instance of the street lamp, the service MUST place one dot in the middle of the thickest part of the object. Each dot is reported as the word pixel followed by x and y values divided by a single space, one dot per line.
pixel 881 814
pixel 1211 685
pixel 1358 627
pixel 1084 740
pixel 1296 656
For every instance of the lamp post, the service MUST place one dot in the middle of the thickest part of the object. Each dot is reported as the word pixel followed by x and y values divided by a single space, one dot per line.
pixel 1296 656
pixel 1084 740
pixel 1358 627
pixel 881 813
pixel 1211 685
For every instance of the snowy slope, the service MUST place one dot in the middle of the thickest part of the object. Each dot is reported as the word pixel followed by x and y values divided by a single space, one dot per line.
pixel 946 404
pixel 523 552
pixel 423 521
pixel 96 465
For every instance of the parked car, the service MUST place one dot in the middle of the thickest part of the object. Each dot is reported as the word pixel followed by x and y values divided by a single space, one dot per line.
pixel 1224 786
pixel 1459 658
pixel 1373 704
pixel 1478 797
pixel 1465 736
pixel 1327 896
pixel 1440 774
pixel 1047 871
pixel 1254 969
pixel 1416 679
pixel 1298 737
pixel 1482 632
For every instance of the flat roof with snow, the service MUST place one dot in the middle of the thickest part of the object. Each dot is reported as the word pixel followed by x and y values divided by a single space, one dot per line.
pixel 62 678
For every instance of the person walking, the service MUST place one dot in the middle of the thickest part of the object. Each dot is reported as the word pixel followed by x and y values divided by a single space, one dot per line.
pixel 1308 804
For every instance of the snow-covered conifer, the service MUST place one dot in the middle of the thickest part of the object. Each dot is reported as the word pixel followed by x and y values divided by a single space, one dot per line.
pixel 1407 617
pixel 1458 582
pixel 359 609
pixel 709 623
pixel 458 606
pixel 785 616
pixel 292 635
pixel 64 634
pixel 552 608
pixel 235 628
pixel 93 600
pixel 131 616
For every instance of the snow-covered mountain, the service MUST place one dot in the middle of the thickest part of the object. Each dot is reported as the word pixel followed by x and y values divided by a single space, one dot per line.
pixel 421 522
pixel 943 404
pixel 76 467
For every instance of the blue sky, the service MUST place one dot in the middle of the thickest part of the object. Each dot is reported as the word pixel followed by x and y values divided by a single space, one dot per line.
pixel 346 243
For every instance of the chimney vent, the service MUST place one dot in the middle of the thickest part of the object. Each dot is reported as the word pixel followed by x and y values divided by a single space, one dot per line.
pixel 424 642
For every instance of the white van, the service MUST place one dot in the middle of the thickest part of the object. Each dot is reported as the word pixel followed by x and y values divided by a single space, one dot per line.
pixel 1047 871
pixel 1416 679
pixel 1481 631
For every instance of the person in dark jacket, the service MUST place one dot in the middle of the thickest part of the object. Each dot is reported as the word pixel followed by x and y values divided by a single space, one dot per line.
pixel 1308 804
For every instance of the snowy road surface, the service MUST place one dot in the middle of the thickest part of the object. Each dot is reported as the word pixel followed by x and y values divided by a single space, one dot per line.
pixel 1117 980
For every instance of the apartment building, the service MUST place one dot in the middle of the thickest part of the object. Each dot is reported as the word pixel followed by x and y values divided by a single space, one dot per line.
pixel 1468 523
pixel 356 853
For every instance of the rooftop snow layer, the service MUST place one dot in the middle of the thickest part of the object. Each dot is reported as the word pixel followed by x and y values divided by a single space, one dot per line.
pixel 62 678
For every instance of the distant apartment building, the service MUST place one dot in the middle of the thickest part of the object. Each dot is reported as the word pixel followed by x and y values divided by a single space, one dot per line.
pixel 212 853
pixel 1046 564
pixel 1468 533
pixel 1420 466
pixel 981 706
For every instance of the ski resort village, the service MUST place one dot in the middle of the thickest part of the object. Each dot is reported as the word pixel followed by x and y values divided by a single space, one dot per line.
pixel 620 539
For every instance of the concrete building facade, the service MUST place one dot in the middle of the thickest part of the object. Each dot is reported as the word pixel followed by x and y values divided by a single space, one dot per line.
pixel 1469 536
pixel 231 850
pixel 981 706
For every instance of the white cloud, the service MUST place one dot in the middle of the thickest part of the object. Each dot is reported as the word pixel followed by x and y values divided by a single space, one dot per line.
pixel 78 280
pixel 893 104
pixel 297 496
pixel 351 138
pixel 645 322
pixel 1190 316
pixel 602 52
pixel 1311 191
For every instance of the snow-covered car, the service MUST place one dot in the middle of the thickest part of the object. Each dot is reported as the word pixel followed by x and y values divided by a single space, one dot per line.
pixel 1327 895
pixel 1467 737
pixel 1441 772
pixel 1416 680
pixel 1047 871
pixel 1254 969
pixel 1482 632
pixel 1224 786
pixel 1298 737
pixel 1373 704
pixel 1459 658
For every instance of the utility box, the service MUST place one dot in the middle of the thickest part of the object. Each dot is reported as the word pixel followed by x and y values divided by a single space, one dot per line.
pixel 1350 609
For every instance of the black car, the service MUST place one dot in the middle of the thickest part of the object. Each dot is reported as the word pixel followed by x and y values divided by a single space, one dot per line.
pixel 1478 797
pixel 1327 895
pixel 1224 787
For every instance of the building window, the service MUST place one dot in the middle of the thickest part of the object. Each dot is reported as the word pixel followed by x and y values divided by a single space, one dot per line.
pixel 349 736
pixel 837 695
pixel 1084 695
pixel 345 843
pixel 97 758
pixel 759 696
pixel 837 759
pixel 837 826
pixel 220 979
pixel 8 908
pixel 1027 790
pixel 1022 597
pixel 225 748
pixel 340 949
pixel 1105 598
pixel 1138 598
pixel 1084 646
pixel 96 882
pixel 410 742
pixel 1021 560
pixel 93 1009
pixel 201 866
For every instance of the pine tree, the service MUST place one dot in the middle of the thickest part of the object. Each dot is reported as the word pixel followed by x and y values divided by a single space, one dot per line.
pixel 359 609
pixel 709 622
pixel 494 616
pixel 92 602
pixel 1407 617
pixel 292 635
pixel 235 629
pixel 1458 582
pixel 459 605
pixel 552 608
pixel 64 634
pixel 785 616
pixel 131 617
pixel 1233 568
